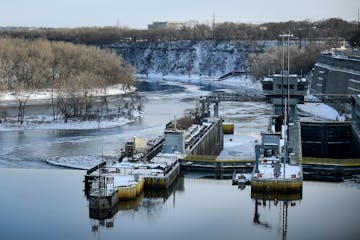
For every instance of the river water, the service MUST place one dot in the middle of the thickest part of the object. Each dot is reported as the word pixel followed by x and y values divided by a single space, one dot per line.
pixel 39 201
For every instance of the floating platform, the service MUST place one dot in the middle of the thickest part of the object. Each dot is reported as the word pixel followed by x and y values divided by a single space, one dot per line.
pixel 204 163
pixel 132 191
pixel 276 196
pixel 110 190
pixel 123 181
pixel 103 199
pixel 163 182
pixel 273 176
pixel 276 185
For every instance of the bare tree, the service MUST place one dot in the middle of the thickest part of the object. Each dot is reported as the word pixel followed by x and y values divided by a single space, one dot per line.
pixel 73 73
pixel 21 95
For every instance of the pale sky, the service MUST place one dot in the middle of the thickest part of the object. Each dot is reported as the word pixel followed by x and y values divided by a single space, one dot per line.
pixel 139 13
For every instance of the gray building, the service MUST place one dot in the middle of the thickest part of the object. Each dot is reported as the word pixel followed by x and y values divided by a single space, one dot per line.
pixel 337 73
pixel 279 86
pixel 356 111
pixel 166 25
pixel 174 141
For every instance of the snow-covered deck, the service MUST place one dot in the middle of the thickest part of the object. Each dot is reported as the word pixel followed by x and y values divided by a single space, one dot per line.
pixel 158 166
pixel 266 170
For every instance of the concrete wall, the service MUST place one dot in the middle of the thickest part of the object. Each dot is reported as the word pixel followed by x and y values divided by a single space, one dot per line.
pixel 212 142
pixel 174 141
pixel 329 140
pixel 356 112
pixel 333 75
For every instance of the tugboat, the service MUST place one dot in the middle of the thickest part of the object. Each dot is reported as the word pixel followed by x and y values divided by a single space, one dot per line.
pixel 241 179
pixel 277 167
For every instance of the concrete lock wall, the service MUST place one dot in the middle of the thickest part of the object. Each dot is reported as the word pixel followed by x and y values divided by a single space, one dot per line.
pixel 329 140
pixel 174 142
pixel 212 143
pixel 356 112
pixel 336 76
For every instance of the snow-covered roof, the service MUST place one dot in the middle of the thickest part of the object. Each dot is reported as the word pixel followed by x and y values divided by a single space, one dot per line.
pixel 267 171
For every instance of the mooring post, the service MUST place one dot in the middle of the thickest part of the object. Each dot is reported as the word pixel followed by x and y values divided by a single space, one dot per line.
pixel 257 155
pixel 216 109
pixel 202 108
pixel 208 109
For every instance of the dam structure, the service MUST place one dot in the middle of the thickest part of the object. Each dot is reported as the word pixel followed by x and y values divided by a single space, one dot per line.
pixel 337 73
pixel 153 166
pixel 291 87
pixel 330 148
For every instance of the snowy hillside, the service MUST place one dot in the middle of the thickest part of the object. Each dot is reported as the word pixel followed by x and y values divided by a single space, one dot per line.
pixel 205 58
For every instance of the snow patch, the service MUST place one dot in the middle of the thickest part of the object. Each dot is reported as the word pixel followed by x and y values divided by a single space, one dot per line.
pixel 46 122
pixel 78 162
pixel 238 147
pixel 46 94
pixel 319 111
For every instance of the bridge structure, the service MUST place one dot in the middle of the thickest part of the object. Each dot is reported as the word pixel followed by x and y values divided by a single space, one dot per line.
pixel 330 98
pixel 215 99
pixel 206 101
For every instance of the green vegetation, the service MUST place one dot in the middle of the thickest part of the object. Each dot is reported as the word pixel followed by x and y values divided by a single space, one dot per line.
pixel 74 74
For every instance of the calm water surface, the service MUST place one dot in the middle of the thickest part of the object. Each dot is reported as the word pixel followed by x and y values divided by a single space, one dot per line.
pixel 39 201
pixel 163 101
pixel 50 204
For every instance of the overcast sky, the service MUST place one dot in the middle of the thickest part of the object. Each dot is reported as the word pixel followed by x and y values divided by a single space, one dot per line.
pixel 139 13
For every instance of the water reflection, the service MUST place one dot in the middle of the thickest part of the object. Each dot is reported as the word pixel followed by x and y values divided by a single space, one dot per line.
pixel 152 86
pixel 149 201
pixel 272 202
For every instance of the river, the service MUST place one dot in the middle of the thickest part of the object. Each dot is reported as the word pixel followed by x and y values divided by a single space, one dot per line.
pixel 39 201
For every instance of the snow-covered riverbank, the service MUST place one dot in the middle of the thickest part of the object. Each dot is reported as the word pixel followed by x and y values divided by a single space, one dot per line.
pixel 163 99
pixel 7 97
pixel 47 122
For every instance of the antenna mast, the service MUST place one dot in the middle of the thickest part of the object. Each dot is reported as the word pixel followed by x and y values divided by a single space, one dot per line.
pixel 358 19
pixel 288 35
pixel 213 26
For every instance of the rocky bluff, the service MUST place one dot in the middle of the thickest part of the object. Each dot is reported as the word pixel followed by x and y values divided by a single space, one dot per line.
pixel 202 58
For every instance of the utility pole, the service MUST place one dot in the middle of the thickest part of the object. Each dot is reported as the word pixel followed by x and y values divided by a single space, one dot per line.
pixel 288 83
pixel 286 104
pixel 358 19
pixel 213 26
pixel 282 76
pixel 288 35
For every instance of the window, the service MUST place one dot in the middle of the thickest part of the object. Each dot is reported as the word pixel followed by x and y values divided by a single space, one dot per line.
pixel 268 87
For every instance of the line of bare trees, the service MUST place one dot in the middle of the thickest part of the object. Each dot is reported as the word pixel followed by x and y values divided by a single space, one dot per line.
pixel 302 59
pixel 75 75
pixel 333 29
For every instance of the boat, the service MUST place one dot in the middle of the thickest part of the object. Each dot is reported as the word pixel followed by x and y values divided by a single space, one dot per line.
pixel 241 179
pixel 277 167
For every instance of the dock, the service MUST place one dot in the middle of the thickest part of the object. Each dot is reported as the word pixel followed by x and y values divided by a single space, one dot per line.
pixel 220 168
pixel 125 180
